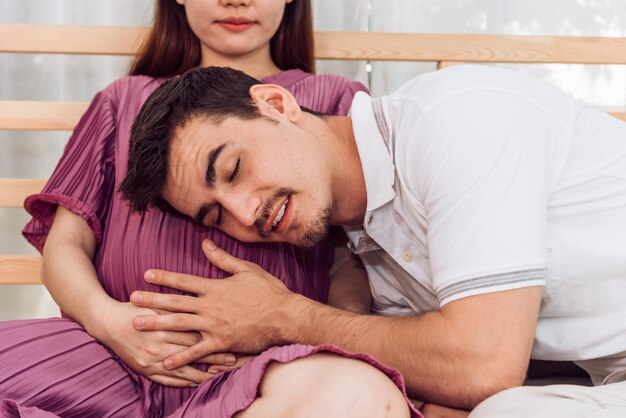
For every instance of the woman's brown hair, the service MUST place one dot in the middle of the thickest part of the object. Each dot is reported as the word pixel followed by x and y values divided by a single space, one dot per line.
pixel 172 48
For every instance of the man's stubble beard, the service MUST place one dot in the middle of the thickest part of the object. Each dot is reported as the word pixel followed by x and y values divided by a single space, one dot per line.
pixel 317 230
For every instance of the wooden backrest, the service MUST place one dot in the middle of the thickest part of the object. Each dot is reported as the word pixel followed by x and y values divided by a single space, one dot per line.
pixel 444 49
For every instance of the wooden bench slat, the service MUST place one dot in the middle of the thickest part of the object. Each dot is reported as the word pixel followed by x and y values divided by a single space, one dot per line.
pixel 23 115
pixel 469 48
pixel 51 116
pixel 619 115
pixel 71 39
pixel 14 191
pixel 20 269
pixel 445 64
pixel 125 40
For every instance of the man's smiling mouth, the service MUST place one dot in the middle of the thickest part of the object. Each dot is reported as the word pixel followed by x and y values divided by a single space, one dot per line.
pixel 274 217
pixel 280 214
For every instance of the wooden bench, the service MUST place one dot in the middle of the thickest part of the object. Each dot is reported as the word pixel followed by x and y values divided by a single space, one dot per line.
pixel 443 49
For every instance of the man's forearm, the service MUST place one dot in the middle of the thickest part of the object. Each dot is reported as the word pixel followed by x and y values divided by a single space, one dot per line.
pixel 440 362
pixel 456 356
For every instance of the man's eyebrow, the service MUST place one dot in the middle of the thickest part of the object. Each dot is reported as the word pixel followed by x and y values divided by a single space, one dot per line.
pixel 210 180
pixel 210 167
pixel 199 218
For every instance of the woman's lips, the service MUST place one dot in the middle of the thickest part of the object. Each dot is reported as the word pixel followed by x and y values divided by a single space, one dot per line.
pixel 235 24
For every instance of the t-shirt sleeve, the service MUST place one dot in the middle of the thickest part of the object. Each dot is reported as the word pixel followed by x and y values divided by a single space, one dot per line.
pixel 84 178
pixel 484 178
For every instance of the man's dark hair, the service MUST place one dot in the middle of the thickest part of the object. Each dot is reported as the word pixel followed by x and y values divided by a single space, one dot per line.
pixel 216 93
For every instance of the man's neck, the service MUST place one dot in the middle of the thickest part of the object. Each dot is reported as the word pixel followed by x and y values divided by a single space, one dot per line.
pixel 348 187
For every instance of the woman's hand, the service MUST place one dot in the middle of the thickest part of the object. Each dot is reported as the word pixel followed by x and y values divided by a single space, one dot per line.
pixel 70 277
pixel 221 366
pixel 144 351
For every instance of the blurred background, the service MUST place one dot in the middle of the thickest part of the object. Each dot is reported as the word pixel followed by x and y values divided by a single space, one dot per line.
pixel 77 78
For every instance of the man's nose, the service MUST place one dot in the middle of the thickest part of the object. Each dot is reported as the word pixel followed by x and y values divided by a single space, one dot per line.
pixel 243 207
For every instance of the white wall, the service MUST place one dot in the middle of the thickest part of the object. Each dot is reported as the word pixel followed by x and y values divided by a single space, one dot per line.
pixel 41 77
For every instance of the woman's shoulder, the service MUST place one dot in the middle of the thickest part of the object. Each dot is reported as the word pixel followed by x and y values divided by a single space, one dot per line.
pixel 125 96
pixel 137 85
pixel 326 93
pixel 301 79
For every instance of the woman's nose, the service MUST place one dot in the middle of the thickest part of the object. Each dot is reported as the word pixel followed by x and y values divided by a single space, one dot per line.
pixel 235 2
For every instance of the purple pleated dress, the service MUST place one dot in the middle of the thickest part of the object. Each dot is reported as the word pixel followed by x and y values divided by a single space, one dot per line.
pixel 52 367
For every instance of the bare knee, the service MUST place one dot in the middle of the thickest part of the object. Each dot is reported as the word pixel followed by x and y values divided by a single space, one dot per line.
pixel 327 385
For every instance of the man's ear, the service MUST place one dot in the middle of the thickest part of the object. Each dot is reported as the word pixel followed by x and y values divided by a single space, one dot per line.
pixel 272 99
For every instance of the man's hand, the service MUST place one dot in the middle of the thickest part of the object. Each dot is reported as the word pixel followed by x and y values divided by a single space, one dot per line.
pixel 144 352
pixel 235 314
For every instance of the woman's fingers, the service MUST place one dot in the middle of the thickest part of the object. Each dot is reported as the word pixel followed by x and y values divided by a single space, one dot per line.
pixel 189 355
pixel 221 359
pixel 190 373
pixel 184 339
pixel 241 360
pixel 172 322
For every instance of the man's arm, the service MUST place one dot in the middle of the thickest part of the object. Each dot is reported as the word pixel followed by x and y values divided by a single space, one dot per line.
pixel 349 286
pixel 458 356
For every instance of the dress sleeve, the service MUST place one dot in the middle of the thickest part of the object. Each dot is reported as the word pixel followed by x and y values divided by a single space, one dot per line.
pixel 84 178
pixel 345 99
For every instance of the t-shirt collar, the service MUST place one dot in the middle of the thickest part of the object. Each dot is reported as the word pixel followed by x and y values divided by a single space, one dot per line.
pixel 373 136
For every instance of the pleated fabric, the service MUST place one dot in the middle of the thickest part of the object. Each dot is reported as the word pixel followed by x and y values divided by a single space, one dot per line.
pixel 53 366
pixel 94 163
pixel 64 372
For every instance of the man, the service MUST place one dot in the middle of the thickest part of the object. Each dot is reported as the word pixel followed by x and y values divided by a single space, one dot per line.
pixel 488 208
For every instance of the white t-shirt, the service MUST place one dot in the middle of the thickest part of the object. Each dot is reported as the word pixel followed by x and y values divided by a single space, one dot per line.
pixel 480 180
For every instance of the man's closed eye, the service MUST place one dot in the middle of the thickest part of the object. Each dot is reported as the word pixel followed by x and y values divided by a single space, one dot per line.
pixel 235 171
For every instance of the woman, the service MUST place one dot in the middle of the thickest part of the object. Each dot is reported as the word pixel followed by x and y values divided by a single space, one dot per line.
pixel 95 251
